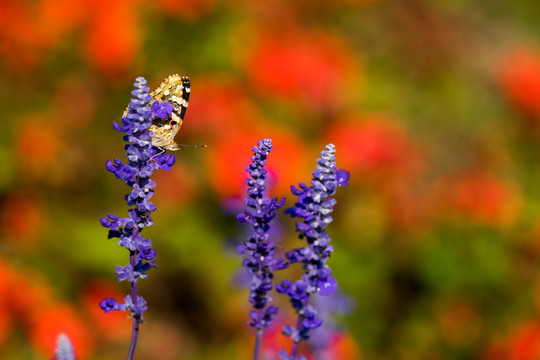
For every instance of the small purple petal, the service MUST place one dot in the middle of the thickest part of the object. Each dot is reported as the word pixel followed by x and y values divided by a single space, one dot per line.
pixel 161 109
pixel 327 287
pixel 109 304
pixel 342 177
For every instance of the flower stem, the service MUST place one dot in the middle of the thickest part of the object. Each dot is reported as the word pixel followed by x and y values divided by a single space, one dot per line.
pixel 134 337
pixel 136 321
pixel 258 341
pixel 296 344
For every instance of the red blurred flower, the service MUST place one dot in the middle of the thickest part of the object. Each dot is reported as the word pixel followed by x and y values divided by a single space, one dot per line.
pixel 7 282
pixel 524 342
pixel 495 349
pixel 114 325
pixel 519 79
pixel 31 28
pixel 47 322
pixel 342 346
pixel 175 187
pixel 22 218
pixel 21 45
pixel 373 146
pixel 287 164
pixel 6 323
pixel 458 321
pixel 220 107
pixel 479 196
pixel 57 17
pixel 273 341
pixel 28 298
pixel 313 68
pixel 29 291
pixel 23 292
pixel 113 36
pixel 227 162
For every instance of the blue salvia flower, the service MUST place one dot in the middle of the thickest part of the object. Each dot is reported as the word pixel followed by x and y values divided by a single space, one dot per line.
pixel 258 249
pixel 64 349
pixel 143 160
pixel 314 206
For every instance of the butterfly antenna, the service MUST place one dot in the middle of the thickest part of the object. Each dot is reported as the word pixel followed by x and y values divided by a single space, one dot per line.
pixel 193 146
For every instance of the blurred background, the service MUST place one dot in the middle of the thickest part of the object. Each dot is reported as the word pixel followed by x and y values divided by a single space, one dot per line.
pixel 434 108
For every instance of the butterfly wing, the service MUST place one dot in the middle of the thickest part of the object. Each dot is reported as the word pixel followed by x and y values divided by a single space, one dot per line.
pixel 175 90
pixel 163 137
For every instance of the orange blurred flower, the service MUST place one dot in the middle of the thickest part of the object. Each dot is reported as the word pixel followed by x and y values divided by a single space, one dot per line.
pixel 22 218
pixel 408 207
pixel 114 325
pixel 175 187
pixel 37 144
pixel 74 106
pixel 311 68
pixel 47 322
pixel 519 79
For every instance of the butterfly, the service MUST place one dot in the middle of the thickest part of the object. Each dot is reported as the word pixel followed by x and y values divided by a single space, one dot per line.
pixel 175 90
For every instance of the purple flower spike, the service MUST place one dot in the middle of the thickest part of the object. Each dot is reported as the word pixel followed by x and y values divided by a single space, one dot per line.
pixel 64 349
pixel 314 206
pixel 142 160
pixel 258 250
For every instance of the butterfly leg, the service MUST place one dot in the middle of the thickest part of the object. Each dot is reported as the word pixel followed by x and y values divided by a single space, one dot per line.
pixel 159 153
